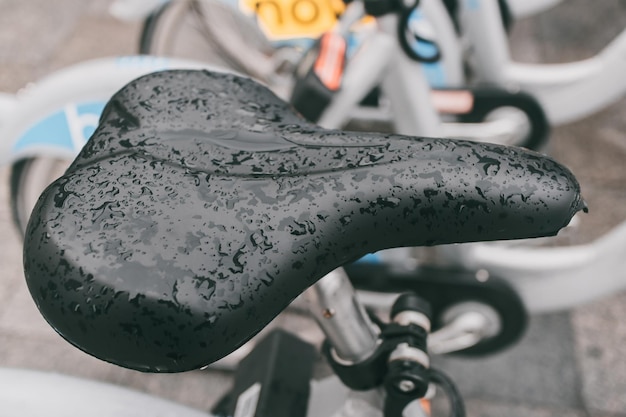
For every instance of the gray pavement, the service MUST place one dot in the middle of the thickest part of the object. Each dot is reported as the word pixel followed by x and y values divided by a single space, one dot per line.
pixel 569 363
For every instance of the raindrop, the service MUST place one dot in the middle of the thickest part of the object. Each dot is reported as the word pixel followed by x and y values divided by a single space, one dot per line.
pixel 388 202
pixel 260 241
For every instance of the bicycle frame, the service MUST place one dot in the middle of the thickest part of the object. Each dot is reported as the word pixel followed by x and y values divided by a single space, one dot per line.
pixel 554 278
pixel 7 101
pixel 381 61
pixel 544 277
pixel 568 91
pixel 133 10
pixel 548 279
pixel 557 87
pixel 449 71
pixel 56 116
pixel 524 8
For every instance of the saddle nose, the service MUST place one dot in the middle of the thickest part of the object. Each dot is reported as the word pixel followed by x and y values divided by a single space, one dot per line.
pixel 203 205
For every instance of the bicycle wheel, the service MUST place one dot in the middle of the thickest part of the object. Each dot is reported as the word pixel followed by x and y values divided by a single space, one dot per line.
pixel 210 31
pixel 28 178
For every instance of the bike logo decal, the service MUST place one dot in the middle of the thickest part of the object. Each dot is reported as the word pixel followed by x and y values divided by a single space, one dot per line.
pixel 283 19
pixel 68 128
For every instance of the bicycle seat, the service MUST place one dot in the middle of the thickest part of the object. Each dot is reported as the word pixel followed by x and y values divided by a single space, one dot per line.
pixel 202 206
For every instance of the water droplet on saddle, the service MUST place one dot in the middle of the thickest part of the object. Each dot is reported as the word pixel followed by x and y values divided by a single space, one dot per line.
pixel 300 228
pixel 191 290
pixel 260 241
pixel 388 202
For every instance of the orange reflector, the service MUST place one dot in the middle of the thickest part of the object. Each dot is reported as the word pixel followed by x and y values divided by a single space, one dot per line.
pixel 453 101
pixel 329 64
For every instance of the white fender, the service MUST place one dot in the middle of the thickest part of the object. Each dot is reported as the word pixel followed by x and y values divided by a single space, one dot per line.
pixel 71 100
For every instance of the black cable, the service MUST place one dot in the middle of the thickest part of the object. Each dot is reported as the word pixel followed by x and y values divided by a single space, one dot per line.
pixel 403 24
pixel 457 407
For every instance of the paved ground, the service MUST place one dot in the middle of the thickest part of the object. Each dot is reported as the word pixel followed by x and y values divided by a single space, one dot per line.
pixel 569 364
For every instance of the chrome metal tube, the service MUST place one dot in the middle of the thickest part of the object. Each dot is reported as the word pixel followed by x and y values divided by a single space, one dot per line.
pixel 333 303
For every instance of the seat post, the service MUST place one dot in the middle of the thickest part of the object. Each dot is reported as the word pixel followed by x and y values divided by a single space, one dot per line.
pixel 332 302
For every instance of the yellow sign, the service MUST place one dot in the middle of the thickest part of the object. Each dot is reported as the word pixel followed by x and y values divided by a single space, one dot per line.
pixel 284 19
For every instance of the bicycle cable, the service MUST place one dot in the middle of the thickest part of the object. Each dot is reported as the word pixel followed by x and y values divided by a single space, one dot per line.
pixel 457 407
pixel 404 33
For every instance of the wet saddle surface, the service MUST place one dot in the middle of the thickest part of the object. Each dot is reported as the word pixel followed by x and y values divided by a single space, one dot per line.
pixel 203 205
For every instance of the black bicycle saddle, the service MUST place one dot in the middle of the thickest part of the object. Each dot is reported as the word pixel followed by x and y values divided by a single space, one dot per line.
pixel 202 205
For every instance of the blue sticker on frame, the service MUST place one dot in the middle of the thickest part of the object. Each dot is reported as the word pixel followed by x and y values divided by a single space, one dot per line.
pixel 68 128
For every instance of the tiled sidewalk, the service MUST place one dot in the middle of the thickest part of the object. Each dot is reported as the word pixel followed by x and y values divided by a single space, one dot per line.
pixel 569 363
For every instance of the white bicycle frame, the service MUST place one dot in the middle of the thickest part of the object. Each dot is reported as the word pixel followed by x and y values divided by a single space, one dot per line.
pixel 525 8
pixel 449 71
pixel 381 62
pixel 547 278
pixel 568 91
pixel 133 10
pixel 554 278
pixel 55 117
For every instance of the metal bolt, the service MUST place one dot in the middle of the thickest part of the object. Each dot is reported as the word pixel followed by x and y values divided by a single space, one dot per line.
pixel 406 385
pixel 328 313
pixel 482 275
